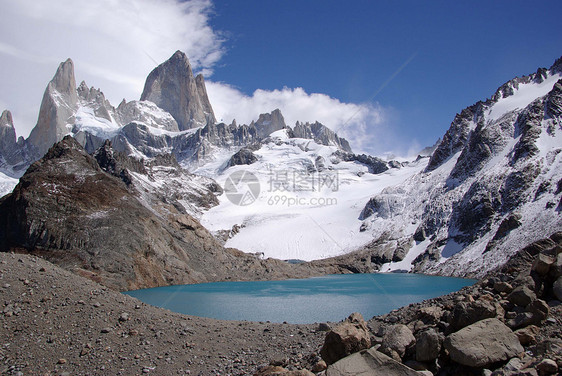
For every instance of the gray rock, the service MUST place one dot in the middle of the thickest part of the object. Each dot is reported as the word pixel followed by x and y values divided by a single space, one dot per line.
pixel 269 123
pixel 527 335
pixel 321 134
pixel 503 287
pixel 398 338
pixel 535 314
pixel 542 264
pixel 428 345
pixel 243 157
pixel 347 338
pixel 172 87
pixel 483 343
pixel 521 296
pixel 59 104
pixel 369 362
pixel 8 143
pixel 465 313
pixel 547 367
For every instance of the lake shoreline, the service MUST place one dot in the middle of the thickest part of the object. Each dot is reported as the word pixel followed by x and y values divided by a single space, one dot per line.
pixel 54 321
pixel 312 300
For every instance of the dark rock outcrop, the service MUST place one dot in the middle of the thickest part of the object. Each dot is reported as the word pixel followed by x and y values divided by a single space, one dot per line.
pixel 172 87
pixel 243 157
pixel 374 164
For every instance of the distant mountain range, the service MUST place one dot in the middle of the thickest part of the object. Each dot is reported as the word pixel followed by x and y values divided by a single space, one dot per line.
pixel 491 184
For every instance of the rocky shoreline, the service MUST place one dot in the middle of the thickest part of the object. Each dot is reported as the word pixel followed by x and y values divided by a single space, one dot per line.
pixel 55 322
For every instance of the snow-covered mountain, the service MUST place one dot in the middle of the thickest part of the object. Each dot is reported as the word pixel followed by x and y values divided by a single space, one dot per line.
pixel 492 183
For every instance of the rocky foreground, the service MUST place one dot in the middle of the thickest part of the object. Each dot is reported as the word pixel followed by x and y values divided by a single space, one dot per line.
pixel 510 323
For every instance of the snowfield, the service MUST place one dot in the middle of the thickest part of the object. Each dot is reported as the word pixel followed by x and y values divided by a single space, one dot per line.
pixel 295 218
pixel 7 184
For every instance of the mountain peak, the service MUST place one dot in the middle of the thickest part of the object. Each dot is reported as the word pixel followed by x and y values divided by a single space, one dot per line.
pixel 172 87
pixel 59 103
pixel 268 123
pixel 180 56
pixel 6 119
pixel 64 81
pixel 557 66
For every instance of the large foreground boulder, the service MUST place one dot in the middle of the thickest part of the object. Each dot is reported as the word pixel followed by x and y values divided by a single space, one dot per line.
pixel 347 338
pixel 369 362
pixel 398 339
pixel 483 343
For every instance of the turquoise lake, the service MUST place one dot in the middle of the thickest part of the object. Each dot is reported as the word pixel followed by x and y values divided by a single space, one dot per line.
pixel 300 301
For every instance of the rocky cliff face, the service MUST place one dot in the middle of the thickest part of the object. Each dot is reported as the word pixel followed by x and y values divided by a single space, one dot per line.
pixel 59 104
pixel 172 87
pixel 321 134
pixel 173 102
pixel 14 154
pixel 490 184
pixel 8 143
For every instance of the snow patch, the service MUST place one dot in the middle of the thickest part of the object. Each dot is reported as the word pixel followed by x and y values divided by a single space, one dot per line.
pixel 522 97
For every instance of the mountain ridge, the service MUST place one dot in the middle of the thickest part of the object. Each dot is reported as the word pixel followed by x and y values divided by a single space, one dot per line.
pixel 491 182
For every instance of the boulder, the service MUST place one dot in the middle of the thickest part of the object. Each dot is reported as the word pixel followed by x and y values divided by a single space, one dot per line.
pixel 483 343
pixel 428 345
pixel 521 296
pixel 398 338
pixel 431 315
pixel 465 313
pixel 535 314
pixel 369 362
pixel 547 367
pixel 527 335
pixel 503 287
pixel 542 263
pixel 347 338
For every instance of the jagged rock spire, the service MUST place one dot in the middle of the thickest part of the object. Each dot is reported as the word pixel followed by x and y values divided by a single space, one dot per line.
pixel 7 134
pixel 59 104
pixel 172 87
pixel 268 123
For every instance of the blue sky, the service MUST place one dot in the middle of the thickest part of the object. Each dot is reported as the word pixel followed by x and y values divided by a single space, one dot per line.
pixel 460 52
pixel 330 61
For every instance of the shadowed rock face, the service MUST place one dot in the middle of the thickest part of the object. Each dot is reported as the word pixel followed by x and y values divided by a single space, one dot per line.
pixel 172 87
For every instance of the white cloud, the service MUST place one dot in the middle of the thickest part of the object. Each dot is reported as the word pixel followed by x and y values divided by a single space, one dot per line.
pixel 358 123
pixel 114 45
